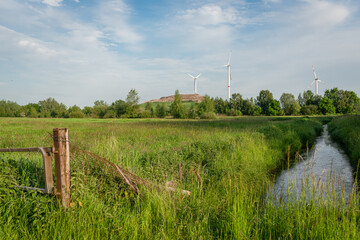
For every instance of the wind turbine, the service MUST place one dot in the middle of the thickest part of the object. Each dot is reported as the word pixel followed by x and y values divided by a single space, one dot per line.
pixel 228 65
pixel 195 82
pixel 316 81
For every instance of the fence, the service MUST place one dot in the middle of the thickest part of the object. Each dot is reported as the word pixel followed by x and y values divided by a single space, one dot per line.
pixel 83 160
pixel 61 152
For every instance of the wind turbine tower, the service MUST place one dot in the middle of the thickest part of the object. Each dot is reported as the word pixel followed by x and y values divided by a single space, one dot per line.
pixel 316 81
pixel 195 82
pixel 228 65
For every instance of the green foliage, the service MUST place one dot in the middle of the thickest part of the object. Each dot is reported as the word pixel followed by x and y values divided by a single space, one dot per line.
pixel 263 100
pixel 100 108
pixel 221 106
pixel 176 108
pixel 192 111
pixel 206 106
pixel 274 108
pixel 326 106
pixel 118 107
pixel 161 110
pixel 309 110
pixel 289 104
pixel 344 101
pixel 250 108
pixel 51 108
pixel 346 131
pixel 9 109
pixel 132 101
pixel 32 110
pixel 87 111
pixel 77 114
pixel 208 115
pixel 149 107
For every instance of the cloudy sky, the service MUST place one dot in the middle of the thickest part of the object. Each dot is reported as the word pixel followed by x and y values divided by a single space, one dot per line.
pixel 79 51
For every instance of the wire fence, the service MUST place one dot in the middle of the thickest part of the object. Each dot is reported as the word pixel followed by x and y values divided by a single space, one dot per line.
pixel 29 171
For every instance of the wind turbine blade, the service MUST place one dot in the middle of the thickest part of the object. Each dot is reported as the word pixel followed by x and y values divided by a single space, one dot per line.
pixel 314 72
pixel 312 83
pixel 198 75
pixel 191 75
pixel 229 58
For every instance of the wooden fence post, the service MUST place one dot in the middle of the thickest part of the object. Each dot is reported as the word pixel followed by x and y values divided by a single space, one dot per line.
pixel 62 165
pixel 49 182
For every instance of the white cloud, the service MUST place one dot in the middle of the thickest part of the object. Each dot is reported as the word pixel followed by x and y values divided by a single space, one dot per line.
pixel 211 15
pixel 320 13
pixel 37 47
pixel 271 1
pixel 113 18
pixel 53 3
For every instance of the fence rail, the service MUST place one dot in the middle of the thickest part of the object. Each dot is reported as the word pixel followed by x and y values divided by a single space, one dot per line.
pixel 62 165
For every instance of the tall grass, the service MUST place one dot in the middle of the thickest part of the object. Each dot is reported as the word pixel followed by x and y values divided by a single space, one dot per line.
pixel 228 166
pixel 346 131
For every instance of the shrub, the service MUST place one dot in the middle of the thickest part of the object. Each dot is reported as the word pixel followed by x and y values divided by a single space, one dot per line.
pixel 77 114
pixel 208 115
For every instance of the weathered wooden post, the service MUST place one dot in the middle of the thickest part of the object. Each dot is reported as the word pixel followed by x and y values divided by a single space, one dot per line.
pixel 49 182
pixel 62 165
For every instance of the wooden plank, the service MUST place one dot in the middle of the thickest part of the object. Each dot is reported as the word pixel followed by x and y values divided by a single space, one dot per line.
pixel 49 181
pixel 45 152
pixel 31 149
pixel 62 165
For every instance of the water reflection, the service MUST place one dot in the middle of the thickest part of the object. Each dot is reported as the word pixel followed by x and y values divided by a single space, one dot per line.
pixel 323 172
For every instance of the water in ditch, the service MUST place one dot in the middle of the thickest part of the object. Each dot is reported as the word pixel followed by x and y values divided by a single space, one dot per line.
pixel 324 171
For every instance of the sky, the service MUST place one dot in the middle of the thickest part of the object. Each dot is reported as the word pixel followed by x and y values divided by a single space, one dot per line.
pixel 80 51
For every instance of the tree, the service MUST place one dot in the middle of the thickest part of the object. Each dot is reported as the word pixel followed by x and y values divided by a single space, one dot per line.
pixel 250 108
pixel 289 104
pixel 118 107
pixel 161 110
pixel 344 101
pixel 191 113
pixel 176 108
pixel 206 106
pixel 87 111
pixel 149 107
pixel 51 108
pixel 9 109
pixel 75 112
pixel 309 110
pixel 326 106
pixel 100 108
pixel 274 108
pixel 31 110
pixel 348 101
pixel 236 101
pixel 263 100
pixel 220 106
pixel 132 101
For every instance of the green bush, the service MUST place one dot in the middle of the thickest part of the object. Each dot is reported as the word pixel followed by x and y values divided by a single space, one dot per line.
pixel 208 115
pixel 77 114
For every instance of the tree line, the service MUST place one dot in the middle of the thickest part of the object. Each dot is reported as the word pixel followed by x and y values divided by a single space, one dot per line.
pixel 334 101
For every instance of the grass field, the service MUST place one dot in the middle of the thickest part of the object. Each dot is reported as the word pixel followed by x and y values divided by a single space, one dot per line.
pixel 236 159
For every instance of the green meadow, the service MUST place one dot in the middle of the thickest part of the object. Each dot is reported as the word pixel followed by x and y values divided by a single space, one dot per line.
pixel 228 164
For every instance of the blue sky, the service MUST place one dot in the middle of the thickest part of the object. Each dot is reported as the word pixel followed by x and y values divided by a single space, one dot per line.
pixel 79 51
